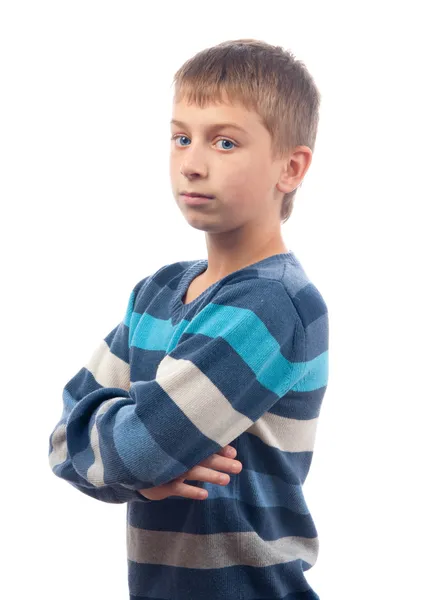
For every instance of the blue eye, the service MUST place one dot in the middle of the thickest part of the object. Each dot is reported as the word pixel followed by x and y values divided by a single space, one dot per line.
pixel 221 140
pixel 224 140
pixel 181 136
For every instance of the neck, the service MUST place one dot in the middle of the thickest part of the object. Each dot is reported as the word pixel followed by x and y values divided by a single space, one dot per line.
pixel 228 253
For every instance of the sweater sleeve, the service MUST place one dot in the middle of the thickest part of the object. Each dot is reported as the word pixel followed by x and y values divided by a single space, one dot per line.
pixel 108 367
pixel 222 370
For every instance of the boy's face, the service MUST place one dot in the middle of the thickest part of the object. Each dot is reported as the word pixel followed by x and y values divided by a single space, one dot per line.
pixel 234 166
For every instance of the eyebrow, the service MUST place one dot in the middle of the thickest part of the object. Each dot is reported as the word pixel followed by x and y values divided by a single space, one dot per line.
pixel 212 127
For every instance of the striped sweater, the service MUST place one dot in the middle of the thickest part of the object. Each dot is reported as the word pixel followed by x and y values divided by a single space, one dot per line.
pixel 245 363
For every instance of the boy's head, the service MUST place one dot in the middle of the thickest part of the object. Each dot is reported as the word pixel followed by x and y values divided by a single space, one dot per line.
pixel 253 175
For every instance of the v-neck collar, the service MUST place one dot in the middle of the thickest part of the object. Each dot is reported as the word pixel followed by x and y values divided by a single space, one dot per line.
pixel 180 310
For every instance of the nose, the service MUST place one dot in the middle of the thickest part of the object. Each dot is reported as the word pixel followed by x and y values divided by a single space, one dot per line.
pixel 190 173
pixel 193 166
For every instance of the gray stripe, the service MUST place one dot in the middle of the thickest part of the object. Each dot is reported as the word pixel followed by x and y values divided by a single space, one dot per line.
pixel 216 551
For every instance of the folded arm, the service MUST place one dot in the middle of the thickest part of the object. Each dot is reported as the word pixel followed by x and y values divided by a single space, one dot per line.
pixel 220 373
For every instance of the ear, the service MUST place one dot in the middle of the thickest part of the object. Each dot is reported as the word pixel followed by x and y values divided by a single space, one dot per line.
pixel 294 169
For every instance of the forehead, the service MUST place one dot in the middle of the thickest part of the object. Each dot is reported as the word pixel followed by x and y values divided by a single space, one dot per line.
pixel 213 114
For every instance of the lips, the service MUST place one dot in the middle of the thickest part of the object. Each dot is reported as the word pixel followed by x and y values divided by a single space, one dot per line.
pixel 196 200
pixel 196 195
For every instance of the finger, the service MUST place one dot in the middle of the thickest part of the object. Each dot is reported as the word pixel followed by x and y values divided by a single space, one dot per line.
pixel 178 488
pixel 228 451
pixel 199 473
pixel 221 463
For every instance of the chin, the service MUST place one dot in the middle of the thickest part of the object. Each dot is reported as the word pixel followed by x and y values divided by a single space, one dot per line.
pixel 200 222
pixel 200 225
pixel 209 226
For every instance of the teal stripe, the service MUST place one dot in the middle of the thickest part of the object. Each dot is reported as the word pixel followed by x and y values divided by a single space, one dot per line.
pixel 261 351
pixel 130 308
pixel 244 331
pixel 316 375
pixel 149 333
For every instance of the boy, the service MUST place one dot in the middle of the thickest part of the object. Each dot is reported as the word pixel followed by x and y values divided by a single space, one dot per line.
pixel 232 350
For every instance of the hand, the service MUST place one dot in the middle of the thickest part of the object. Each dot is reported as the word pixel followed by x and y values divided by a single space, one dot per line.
pixel 204 471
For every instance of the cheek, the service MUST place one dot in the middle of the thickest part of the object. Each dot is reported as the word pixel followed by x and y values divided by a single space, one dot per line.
pixel 172 164
pixel 174 172
pixel 248 180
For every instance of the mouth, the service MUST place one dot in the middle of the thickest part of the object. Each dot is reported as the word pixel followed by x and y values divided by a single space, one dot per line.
pixel 196 200
pixel 196 195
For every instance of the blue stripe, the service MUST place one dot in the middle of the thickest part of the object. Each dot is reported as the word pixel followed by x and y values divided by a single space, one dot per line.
pixel 208 517
pixel 144 364
pixel 254 454
pixel 308 595
pixel 286 580
pixel 167 430
pixel 118 342
pixel 271 491
pixel 139 450
pixel 299 405
pixel 80 386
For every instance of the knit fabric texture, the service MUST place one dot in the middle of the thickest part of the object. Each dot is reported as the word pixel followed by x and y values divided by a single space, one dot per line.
pixel 245 363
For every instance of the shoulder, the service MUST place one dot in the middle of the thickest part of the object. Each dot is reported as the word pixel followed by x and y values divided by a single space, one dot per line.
pixel 267 297
pixel 256 307
pixel 284 306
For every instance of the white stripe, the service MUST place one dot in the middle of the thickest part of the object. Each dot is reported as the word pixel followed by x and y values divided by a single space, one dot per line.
pixel 200 400
pixel 288 435
pixel 108 369
pixel 60 449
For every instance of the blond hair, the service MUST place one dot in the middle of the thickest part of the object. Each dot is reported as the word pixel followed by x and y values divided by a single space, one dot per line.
pixel 261 77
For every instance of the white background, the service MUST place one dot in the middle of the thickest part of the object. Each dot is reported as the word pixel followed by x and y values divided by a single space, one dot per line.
pixel 87 211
